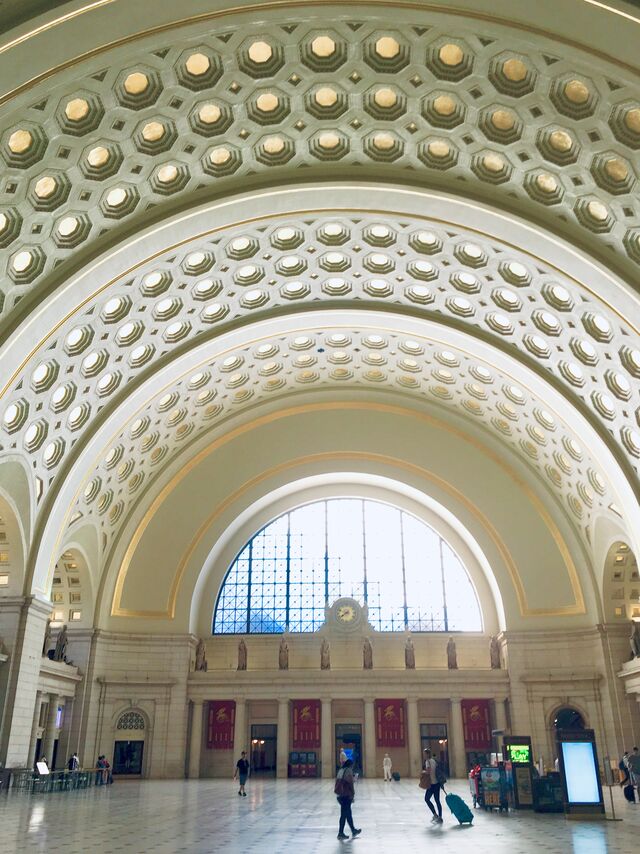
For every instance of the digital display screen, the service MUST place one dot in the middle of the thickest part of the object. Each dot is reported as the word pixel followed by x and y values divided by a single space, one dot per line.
pixel 580 772
pixel 349 752
pixel 520 753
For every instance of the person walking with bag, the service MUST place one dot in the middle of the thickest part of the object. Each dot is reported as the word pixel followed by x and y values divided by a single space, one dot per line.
pixel 433 780
pixel 345 793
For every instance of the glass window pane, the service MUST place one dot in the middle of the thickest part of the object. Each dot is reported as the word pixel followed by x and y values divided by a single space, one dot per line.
pixel 346 545
pixel 280 574
pixel 384 560
pixel 462 602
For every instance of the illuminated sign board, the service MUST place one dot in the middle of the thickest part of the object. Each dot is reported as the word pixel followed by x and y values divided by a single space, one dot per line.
pixel 520 753
pixel 581 772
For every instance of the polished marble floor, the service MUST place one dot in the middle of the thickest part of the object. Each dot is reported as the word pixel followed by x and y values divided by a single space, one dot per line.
pixel 161 817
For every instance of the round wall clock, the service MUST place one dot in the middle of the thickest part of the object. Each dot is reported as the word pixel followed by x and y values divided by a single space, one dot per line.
pixel 346 612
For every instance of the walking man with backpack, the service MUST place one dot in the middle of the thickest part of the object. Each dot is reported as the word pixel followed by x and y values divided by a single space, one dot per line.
pixel 437 779
pixel 345 793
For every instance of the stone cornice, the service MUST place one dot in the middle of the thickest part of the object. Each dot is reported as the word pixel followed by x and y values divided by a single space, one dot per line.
pixel 60 670
pixel 137 682
pixel 334 684
pixel 561 676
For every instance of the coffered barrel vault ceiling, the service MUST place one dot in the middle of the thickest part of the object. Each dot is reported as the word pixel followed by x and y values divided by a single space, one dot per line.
pixel 107 147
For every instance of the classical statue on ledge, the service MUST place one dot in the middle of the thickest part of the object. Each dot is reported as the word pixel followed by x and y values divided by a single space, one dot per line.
pixel 634 639
pixel 325 655
pixel 201 657
pixel 242 655
pixel 283 655
pixel 60 652
pixel 494 653
pixel 46 643
pixel 367 655
pixel 452 655
pixel 409 655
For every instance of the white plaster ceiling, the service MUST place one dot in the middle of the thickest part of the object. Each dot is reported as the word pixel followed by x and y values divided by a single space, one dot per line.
pixel 92 158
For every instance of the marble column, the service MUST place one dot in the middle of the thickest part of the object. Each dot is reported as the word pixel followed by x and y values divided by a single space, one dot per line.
pixel 500 722
pixel 501 716
pixel 282 753
pixel 31 758
pixel 240 728
pixel 50 730
pixel 413 736
pixel 369 739
pixel 22 624
pixel 456 741
pixel 327 740
pixel 195 747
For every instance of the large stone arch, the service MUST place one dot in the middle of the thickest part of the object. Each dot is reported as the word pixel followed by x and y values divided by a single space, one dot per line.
pixel 15 512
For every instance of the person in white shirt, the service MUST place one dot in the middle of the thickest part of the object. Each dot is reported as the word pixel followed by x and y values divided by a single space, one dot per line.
pixel 386 767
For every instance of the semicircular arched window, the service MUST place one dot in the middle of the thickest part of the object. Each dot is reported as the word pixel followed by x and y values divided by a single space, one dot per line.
pixel 403 570
pixel 130 720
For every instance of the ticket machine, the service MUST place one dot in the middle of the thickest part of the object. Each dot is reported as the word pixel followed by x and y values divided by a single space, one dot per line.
pixel 519 767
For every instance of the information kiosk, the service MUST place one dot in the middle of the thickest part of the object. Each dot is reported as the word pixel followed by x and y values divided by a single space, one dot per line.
pixel 519 767
pixel 580 773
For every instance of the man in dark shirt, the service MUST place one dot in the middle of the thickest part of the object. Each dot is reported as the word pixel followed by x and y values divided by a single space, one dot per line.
pixel 242 772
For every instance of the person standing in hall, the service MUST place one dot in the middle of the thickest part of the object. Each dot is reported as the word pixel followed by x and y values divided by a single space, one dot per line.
pixel 345 793
pixel 433 790
pixel 633 763
pixel 386 767
pixel 242 772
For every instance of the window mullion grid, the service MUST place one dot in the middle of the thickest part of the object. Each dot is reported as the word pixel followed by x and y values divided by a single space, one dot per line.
pixel 249 585
pixel 444 587
pixel 288 588
pixel 364 555
pixel 404 577
pixel 326 552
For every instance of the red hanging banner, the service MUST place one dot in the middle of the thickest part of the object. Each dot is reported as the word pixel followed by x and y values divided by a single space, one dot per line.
pixel 221 724
pixel 306 724
pixel 476 723
pixel 390 723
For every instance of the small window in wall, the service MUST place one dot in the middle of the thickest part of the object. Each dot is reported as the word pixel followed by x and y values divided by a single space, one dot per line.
pixel 75 598
pixel 58 598
pixel 58 616
pixel 4 579
pixel 75 615
pixel 130 720
pixel 619 612
pixel 4 557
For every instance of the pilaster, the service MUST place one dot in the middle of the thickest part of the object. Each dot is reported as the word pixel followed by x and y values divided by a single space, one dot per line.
pixel 195 747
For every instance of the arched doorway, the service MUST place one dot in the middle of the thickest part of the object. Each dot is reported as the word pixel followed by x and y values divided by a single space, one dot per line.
pixel 568 718
pixel 128 746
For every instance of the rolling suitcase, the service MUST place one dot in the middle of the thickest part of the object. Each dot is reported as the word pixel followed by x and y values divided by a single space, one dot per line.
pixel 629 794
pixel 459 809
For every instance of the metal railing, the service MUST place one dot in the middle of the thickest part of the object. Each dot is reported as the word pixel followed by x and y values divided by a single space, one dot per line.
pixel 31 783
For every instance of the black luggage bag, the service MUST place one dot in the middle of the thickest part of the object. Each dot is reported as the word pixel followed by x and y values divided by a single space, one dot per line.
pixel 629 794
